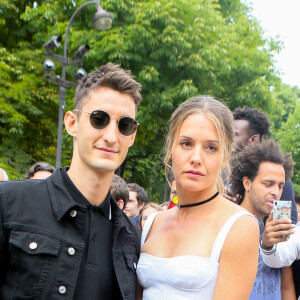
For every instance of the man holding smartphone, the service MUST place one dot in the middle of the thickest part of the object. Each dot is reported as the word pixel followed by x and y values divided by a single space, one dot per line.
pixel 259 172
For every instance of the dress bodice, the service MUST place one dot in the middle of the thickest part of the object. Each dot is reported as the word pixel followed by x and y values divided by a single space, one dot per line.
pixel 181 277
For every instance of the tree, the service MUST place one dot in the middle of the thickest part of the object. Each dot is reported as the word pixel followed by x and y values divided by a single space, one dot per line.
pixel 289 137
pixel 176 49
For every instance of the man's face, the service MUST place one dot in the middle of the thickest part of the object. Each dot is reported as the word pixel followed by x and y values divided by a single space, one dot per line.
pixel 105 149
pixel 41 175
pixel 132 208
pixel 241 132
pixel 264 189
pixel 1 177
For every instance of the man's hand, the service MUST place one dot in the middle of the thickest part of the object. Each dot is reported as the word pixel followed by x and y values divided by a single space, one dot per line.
pixel 275 230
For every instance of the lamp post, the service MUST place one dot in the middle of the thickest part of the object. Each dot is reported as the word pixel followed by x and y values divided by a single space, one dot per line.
pixel 102 20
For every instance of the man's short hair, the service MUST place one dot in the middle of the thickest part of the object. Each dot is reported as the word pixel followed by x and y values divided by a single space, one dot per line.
pixel 110 76
pixel 258 121
pixel 5 176
pixel 142 196
pixel 297 199
pixel 246 162
pixel 119 189
pixel 39 166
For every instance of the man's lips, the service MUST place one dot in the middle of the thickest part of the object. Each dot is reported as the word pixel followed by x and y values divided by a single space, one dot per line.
pixel 270 202
pixel 107 150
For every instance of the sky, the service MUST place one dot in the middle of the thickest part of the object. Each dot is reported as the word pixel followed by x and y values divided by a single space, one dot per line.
pixel 281 18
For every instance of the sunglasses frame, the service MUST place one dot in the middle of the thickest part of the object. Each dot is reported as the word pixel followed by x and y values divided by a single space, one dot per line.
pixel 94 112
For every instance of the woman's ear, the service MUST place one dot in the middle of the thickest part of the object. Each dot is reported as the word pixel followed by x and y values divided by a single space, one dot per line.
pixel 71 123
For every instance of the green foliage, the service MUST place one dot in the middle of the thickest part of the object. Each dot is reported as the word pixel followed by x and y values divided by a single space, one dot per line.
pixel 175 48
pixel 289 137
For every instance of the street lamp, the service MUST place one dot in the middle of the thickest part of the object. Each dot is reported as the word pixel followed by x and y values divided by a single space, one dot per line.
pixel 102 20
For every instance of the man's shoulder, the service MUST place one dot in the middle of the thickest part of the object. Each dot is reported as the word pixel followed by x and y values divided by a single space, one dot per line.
pixel 129 222
pixel 23 195
pixel 19 186
pixel 124 220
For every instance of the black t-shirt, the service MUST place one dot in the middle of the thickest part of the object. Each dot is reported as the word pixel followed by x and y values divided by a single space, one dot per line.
pixel 96 278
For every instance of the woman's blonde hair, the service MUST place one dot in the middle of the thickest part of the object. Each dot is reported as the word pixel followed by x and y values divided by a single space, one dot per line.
pixel 222 118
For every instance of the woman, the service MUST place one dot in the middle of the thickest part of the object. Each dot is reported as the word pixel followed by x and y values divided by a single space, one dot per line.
pixel 146 211
pixel 207 247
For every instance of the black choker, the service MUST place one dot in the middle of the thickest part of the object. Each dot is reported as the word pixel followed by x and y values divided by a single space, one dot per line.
pixel 199 203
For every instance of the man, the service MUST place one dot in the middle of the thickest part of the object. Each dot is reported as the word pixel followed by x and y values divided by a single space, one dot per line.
pixel 3 175
pixel 119 191
pixel 40 170
pixel 137 199
pixel 65 237
pixel 252 125
pixel 259 172
pixel 278 251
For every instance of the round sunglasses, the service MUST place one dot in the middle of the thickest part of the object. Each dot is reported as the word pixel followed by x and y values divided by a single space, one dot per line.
pixel 100 119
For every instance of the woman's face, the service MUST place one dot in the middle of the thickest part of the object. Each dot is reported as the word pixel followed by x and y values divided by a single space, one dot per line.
pixel 146 213
pixel 196 156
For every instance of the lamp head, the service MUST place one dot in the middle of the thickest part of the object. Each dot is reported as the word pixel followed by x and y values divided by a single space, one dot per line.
pixel 54 42
pixel 48 65
pixel 81 52
pixel 102 20
pixel 79 74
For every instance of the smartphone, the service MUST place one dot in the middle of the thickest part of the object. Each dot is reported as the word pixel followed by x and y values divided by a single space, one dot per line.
pixel 282 209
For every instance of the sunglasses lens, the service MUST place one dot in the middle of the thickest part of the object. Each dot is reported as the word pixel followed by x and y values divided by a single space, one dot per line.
pixel 99 119
pixel 127 125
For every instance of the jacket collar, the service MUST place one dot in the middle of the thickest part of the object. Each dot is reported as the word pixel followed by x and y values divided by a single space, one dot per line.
pixel 61 199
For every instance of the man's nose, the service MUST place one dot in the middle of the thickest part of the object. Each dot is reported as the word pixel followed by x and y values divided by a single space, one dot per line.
pixel 111 131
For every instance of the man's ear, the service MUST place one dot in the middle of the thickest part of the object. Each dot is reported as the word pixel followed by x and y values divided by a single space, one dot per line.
pixel 246 183
pixel 253 138
pixel 120 203
pixel 71 123
pixel 140 206
pixel 132 138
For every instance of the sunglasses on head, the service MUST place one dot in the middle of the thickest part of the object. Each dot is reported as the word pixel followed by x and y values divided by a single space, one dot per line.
pixel 100 119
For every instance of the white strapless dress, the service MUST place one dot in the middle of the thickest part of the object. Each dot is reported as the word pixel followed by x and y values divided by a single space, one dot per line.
pixel 182 277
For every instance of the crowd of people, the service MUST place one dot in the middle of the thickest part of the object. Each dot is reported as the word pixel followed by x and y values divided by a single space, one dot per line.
pixel 83 232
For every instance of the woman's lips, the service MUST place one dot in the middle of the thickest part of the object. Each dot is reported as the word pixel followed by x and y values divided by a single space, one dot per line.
pixel 194 174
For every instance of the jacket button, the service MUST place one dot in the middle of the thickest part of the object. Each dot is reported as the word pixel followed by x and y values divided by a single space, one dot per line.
pixel 33 245
pixel 62 289
pixel 71 251
pixel 73 213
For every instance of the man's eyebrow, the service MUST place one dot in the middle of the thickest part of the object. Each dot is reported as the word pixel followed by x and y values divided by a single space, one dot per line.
pixel 271 181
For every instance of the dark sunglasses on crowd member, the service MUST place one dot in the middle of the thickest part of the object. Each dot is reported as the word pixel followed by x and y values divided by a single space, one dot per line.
pixel 100 119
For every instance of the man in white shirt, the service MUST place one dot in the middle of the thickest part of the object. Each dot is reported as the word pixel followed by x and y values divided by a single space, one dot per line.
pixel 277 251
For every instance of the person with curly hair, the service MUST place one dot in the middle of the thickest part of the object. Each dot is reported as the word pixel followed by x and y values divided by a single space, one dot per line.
pixel 250 124
pixel 258 174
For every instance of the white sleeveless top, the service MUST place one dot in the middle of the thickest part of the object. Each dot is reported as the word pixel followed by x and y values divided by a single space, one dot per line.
pixel 182 277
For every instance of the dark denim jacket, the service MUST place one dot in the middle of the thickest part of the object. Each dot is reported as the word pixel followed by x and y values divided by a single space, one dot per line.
pixel 42 234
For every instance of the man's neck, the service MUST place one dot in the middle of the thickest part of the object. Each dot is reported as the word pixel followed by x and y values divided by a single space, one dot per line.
pixel 93 185
pixel 246 204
